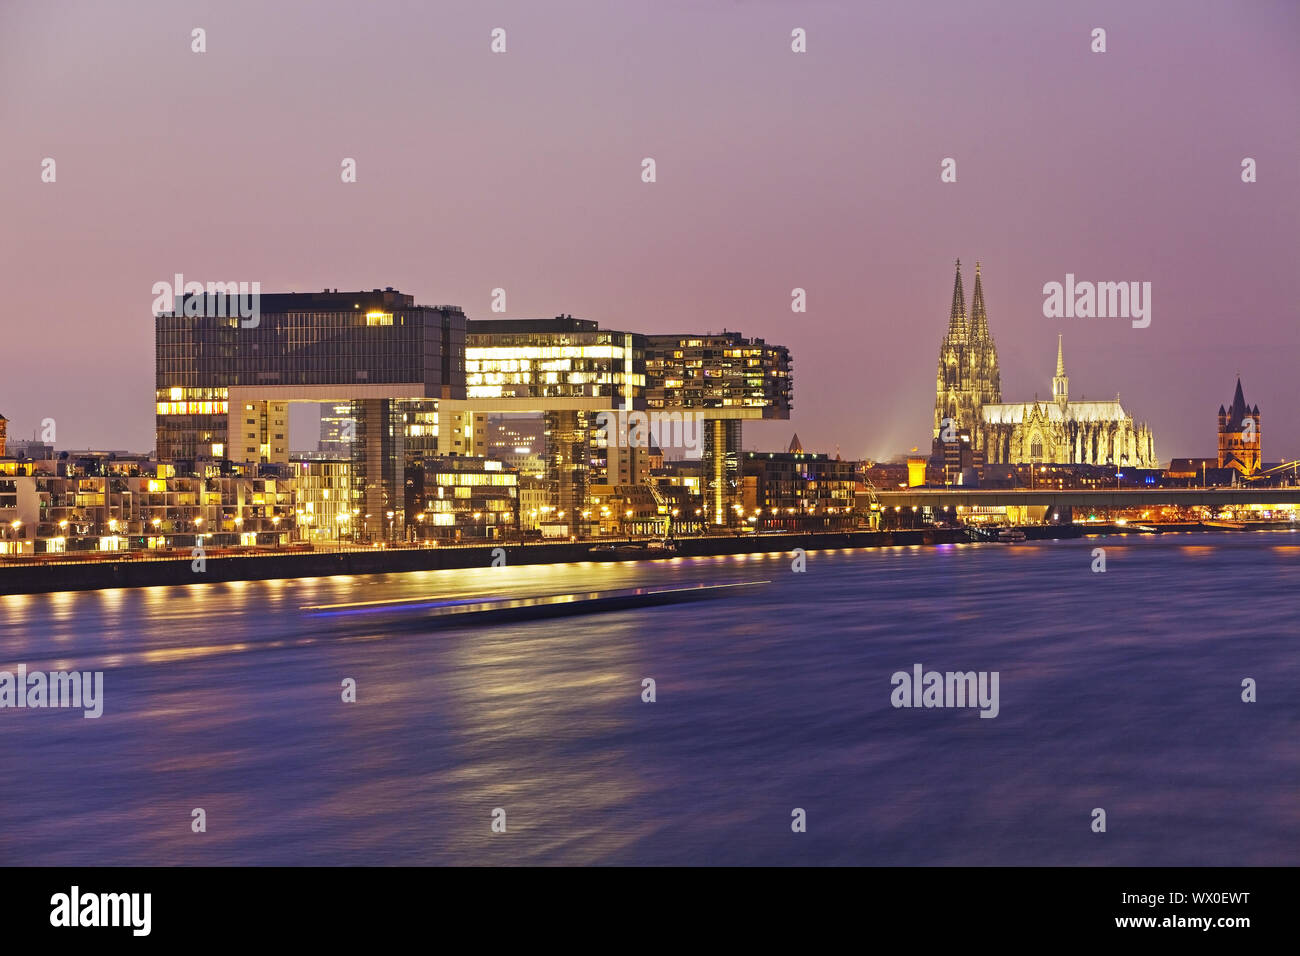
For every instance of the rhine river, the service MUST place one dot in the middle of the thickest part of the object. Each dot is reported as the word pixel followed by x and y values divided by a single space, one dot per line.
pixel 1119 690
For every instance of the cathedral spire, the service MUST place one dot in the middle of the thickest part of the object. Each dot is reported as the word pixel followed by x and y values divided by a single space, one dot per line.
pixel 979 318
pixel 957 316
pixel 1060 382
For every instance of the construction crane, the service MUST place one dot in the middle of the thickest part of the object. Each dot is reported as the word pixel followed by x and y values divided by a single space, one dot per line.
pixel 662 504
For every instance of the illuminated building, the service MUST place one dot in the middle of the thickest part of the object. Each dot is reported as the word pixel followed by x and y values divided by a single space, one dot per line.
pixel 223 388
pixel 323 504
pixel 119 511
pixel 569 370
pixel 968 398
pixel 454 498
pixel 796 490
pixel 4 424
pixel 721 379
pixel 1239 435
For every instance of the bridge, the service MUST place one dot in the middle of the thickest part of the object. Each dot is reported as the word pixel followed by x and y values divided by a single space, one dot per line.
pixel 1111 498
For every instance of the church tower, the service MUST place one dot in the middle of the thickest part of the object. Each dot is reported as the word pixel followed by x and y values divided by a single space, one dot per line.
pixel 1239 435
pixel 1060 381
pixel 987 377
pixel 968 375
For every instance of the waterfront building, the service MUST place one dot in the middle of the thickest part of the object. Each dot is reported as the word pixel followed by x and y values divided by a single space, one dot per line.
pixel 324 501
pixel 224 386
pixel 42 511
pixel 1239 435
pixel 569 370
pixel 627 509
pixel 405 382
pixel 455 498
pixel 720 380
pixel 798 490
pixel 968 399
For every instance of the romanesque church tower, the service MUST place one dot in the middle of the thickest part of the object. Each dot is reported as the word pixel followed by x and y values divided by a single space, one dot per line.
pixel 968 376
pixel 1239 435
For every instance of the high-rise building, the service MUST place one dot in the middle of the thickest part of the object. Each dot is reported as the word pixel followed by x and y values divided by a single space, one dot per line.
pixel 720 380
pixel 1239 435
pixel 4 424
pixel 224 384
pixel 568 369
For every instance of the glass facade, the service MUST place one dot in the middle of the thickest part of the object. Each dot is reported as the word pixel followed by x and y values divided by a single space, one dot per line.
pixel 342 341
pixel 562 357
pixel 726 371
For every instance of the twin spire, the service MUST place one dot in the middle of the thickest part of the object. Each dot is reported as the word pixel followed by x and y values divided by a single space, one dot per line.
pixel 979 319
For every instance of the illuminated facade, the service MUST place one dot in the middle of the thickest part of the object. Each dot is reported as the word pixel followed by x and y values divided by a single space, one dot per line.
pixel 1239 436
pixel 455 498
pixel 224 387
pixel 797 489
pixel 324 507
pixel 568 369
pixel 116 511
pixel 723 380
pixel 969 408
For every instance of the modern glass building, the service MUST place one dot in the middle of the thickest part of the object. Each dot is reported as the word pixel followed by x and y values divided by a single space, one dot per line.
pixel 724 379
pixel 568 369
pixel 224 383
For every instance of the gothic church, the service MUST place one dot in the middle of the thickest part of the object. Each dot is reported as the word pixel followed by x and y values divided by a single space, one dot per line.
pixel 969 393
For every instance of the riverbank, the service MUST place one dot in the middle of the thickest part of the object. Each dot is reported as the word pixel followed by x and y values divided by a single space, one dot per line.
pixel 152 572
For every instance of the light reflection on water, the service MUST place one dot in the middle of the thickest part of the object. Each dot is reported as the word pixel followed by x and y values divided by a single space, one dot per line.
pixel 1118 690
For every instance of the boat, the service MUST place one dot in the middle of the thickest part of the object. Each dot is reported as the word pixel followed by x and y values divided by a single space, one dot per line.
pixel 1011 535
pixel 642 549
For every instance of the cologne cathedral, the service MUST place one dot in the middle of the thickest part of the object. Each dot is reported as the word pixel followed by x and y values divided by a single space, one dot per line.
pixel 969 393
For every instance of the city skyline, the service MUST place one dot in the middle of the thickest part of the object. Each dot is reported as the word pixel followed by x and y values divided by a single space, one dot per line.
pixel 485 173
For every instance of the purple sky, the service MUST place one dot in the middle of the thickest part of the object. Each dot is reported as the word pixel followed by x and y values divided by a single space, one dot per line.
pixel 775 170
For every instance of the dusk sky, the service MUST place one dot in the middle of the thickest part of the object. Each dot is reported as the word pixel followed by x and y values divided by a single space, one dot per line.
pixel 775 170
